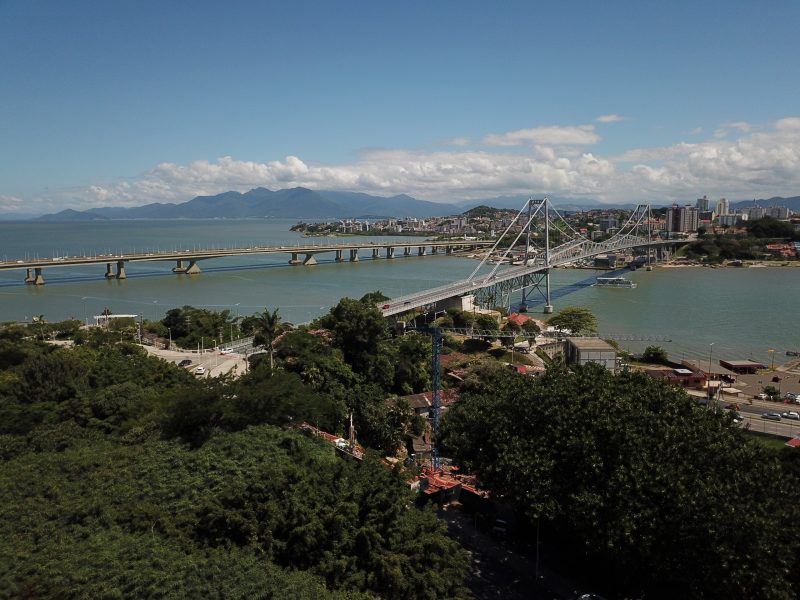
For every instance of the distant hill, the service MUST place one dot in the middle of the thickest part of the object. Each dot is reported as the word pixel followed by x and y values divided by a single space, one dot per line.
pixel 486 211
pixel 72 215
pixel 260 203
pixel 792 203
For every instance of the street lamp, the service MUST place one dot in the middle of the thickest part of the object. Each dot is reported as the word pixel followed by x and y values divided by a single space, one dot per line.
pixel 85 314
pixel 708 385
pixel 772 366
pixel 169 329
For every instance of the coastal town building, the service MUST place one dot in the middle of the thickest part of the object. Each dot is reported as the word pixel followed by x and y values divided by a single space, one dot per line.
pixel 582 351
pixel 682 219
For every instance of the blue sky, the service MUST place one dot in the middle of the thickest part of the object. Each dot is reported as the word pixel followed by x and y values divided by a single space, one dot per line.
pixel 123 103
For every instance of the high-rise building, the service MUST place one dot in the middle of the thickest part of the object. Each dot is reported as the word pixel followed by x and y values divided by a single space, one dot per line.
pixel 702 204
pixel 682 218
pixel 723 208
pixel 778 212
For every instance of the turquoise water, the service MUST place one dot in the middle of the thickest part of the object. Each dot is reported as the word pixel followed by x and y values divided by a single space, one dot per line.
pixel 744 312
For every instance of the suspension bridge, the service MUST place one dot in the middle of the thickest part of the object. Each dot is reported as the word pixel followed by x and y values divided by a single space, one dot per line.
pixel 549 241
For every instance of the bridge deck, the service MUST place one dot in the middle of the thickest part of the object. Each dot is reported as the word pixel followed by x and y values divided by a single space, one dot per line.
pixel 190 255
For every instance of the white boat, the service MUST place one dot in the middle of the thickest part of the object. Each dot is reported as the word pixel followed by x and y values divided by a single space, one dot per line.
pixel 615 282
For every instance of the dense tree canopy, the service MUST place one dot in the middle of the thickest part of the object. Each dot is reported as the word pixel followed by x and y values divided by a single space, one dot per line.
pixel 575 320
pixel 123 476
pixel 659 495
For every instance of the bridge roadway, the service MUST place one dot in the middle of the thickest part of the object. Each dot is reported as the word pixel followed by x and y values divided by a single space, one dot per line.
pixel 559 256
pixel 34 267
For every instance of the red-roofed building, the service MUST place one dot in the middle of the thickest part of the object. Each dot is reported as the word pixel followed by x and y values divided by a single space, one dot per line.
pixel 794 442
pixel 520 319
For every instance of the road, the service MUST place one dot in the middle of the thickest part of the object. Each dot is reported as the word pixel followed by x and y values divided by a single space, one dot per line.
pixel 213 362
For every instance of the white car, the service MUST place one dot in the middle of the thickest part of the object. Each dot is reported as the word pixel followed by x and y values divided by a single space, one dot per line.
pixel 226 351
pixel 791 415
pixel 200 371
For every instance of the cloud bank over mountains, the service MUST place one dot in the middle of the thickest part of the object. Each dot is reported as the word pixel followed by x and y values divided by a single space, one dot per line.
pixel 738 160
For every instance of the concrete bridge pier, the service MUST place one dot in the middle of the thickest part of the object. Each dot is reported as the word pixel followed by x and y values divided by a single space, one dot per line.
pixel 38 279
pixel 294 260
pixel 179 268
pixel 421 251
pixel 354 255
pixel 390 252
pixel 434 249
pixel 109 271
pixel 121 270
pixel 375 253
pixel 339 256
pixel 29 276
pixel 407 251
pixel 193 268
pixel 448 250
pixel 309 260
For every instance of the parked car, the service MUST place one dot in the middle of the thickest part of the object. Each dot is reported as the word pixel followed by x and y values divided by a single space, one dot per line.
pixel 762 396
pixel 737 417
pixel 226 351
pixel 185 362
pixel 771 416
pixel 200 371
pixel 791 415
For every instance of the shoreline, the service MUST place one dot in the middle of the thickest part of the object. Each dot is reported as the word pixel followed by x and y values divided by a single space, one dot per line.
pixel 746 264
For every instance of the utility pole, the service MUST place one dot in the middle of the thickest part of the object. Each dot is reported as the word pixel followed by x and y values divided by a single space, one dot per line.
pixel 548 307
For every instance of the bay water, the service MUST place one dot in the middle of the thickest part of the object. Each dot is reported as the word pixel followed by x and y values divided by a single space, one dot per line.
pixel 744 312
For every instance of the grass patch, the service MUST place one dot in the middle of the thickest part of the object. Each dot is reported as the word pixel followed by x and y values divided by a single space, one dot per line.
pixel 767 441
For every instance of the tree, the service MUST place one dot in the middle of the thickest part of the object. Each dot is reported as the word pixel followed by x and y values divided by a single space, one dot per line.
pixel 360 331
pixel 487 323
pixel 575 320
pixel 531 329
pixel 511 329
pixel 268 326
pixel 625 472
pixel 655 354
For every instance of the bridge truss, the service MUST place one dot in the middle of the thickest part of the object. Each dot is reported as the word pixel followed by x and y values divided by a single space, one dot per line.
pixel 549 241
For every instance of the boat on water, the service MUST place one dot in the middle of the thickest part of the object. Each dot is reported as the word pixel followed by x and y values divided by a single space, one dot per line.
pixel 614 282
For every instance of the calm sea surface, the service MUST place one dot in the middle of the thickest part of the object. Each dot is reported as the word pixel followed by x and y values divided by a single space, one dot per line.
pixel 744 312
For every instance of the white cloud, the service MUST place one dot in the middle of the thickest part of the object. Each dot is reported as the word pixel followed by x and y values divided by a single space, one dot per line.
pixel 553 135
pixel 458 141
pixel 761 161
pixel 608 118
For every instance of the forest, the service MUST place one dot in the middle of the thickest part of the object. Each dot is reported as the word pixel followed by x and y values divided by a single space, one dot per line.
pixel 122 475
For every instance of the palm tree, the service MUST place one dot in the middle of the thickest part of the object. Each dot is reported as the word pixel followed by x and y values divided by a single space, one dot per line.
pixel 268 327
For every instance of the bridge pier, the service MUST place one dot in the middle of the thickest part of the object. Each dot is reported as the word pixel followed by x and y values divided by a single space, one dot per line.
pixel 294 260
pixel 375 253
pixel 448 250
pixel 309 260
pixel 354 255
pixel 421 251
pixel 179 268
pixel 29 276
pixel 390 252
pixel 193 269
pixel 434 249
pixel 339 256
pixel 121 270
pixel 407 251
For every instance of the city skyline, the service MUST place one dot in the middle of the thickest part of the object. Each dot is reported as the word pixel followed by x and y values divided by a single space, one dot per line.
pixel 126 104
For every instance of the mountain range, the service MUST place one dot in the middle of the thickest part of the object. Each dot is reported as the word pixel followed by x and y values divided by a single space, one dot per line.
pixel 260 202
pixel 303 203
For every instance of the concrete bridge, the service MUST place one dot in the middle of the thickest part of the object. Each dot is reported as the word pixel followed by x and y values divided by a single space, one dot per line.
pixel 186 261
